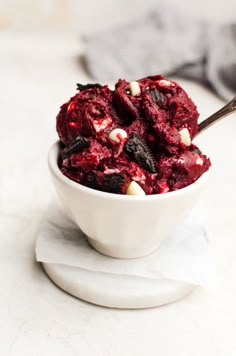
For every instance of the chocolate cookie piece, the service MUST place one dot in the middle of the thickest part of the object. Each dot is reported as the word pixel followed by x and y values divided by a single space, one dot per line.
pixel 77 146
pixel 138 151
pixel 82 87
pixel 113 183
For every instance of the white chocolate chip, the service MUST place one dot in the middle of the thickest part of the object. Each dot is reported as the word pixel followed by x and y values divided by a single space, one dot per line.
pixel 117 134
pixel 185 136
pixel 135 189
pixel 199 161
pixel 134 88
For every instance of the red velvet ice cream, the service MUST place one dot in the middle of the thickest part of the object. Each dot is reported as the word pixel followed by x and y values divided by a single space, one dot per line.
pixel 135 139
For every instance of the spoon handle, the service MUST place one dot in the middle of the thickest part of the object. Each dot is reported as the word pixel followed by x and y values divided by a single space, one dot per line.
pixel 226 110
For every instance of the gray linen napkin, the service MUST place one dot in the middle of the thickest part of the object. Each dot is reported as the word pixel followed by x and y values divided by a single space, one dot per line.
pixel 166 42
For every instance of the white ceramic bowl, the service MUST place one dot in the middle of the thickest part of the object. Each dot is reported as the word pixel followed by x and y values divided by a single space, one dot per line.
pixel 119 225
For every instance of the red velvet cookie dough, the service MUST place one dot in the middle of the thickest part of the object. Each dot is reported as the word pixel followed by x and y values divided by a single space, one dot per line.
pixel 135 139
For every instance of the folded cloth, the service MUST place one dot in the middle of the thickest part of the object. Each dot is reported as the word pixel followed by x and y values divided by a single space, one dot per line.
pixel 166 42
pixel 185 256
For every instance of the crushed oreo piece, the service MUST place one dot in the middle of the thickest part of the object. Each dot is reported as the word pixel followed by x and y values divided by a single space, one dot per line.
pixel 76 146
pixel 157 97
pixel 113 183
pixel 91 181
pixel 82 87
pixel 138 151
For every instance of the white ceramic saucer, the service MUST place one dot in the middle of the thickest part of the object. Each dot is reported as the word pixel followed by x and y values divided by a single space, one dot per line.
pixel 116 291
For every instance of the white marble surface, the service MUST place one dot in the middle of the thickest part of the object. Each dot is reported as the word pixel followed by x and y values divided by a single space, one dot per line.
pixel 36 318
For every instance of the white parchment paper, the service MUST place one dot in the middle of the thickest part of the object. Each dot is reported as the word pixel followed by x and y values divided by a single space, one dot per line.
pixel 184 256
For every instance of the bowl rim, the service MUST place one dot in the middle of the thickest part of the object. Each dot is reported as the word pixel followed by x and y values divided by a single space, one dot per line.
pixel 55 170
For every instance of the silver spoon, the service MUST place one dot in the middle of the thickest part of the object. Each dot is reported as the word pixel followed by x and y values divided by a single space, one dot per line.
pixel 226 110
